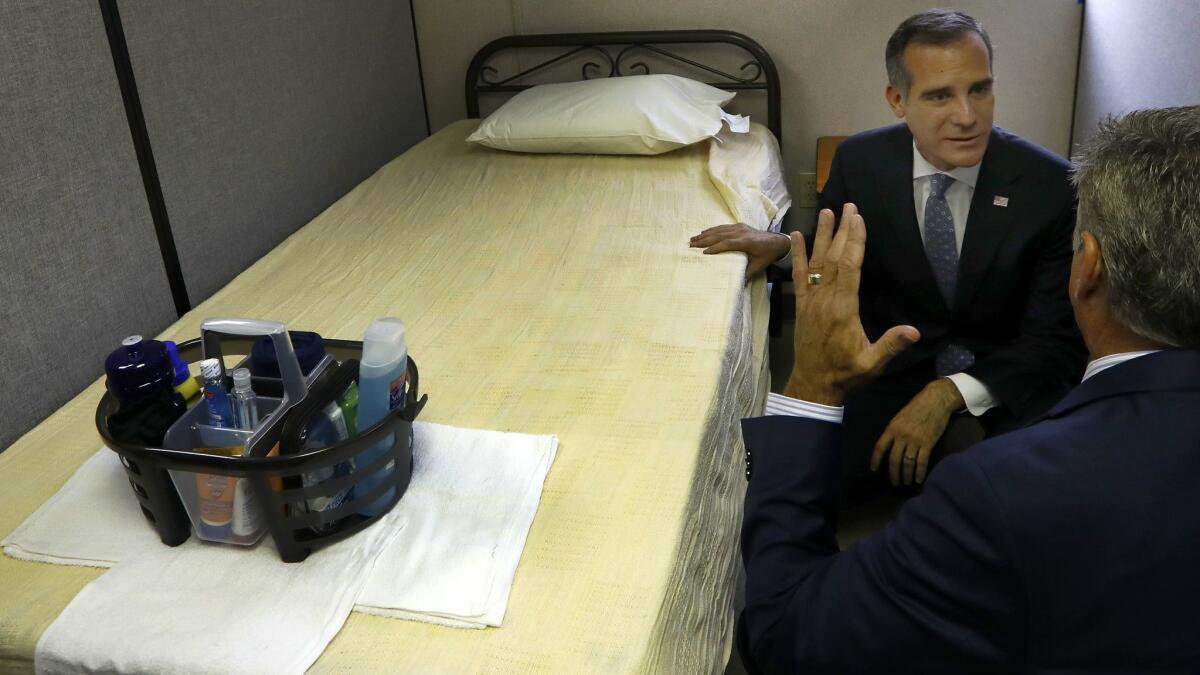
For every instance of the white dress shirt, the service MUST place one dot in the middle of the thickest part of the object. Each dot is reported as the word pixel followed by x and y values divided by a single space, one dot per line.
pixel 958 196
pixel 976 396
pixel 1105 362
pixel 778 404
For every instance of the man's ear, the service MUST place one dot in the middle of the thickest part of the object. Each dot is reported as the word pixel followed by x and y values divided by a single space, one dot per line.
pixel 895 100
pixel 1087 270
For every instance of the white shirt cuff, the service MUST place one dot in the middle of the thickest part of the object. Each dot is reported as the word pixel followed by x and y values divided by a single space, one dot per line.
pixel 785 261
pixel 778 404
pixel 976 395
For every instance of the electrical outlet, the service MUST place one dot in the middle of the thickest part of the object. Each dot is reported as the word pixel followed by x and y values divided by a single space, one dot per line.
pixel 806 189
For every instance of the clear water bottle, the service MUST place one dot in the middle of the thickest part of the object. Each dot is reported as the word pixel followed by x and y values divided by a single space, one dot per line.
pixel 381 386
pixel 245 403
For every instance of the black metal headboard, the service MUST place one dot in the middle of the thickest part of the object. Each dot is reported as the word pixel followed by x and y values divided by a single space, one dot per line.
pixel 757 74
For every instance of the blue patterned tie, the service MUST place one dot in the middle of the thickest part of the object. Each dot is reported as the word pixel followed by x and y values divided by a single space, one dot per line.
pixel 942 250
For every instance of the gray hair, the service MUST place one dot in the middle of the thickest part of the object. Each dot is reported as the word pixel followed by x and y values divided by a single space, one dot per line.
pixel 931 27
pixel 1138 181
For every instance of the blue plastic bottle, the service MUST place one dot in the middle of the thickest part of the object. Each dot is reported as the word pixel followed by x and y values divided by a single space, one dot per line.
pixel 216 397
pixel 309 349
pixel 138 369
pixel 381 380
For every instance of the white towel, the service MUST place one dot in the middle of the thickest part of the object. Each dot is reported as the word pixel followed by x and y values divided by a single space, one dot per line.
pixel 467 511
pixel 209 608
pixel 469 508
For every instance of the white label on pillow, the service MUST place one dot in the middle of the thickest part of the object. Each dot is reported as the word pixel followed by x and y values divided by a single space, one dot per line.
pixel 738 124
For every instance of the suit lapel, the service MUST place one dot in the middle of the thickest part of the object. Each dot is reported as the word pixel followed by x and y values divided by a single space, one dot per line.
pixel 905 250
pixel 988 223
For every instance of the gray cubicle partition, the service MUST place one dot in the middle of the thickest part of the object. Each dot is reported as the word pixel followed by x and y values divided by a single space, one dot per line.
pixel 263 114
pixel 260 115
pixel 80 267
pixel 1136 55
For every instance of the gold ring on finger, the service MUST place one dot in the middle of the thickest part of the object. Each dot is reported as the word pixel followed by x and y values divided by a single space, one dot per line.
pixel 814 278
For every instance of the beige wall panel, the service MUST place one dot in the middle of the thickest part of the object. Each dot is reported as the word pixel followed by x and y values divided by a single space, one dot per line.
pixel 449 32
pixel 829 54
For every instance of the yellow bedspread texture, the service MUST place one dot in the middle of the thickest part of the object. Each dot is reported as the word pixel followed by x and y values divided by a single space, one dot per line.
pixel 542 294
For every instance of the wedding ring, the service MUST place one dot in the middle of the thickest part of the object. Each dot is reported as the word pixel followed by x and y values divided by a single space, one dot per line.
pixel 909 458
pixel 814 278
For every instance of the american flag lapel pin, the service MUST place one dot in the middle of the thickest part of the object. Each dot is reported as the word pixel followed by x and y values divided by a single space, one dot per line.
pixel 999 201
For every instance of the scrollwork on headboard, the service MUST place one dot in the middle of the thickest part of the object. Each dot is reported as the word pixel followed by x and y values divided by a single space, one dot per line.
pixel 608 55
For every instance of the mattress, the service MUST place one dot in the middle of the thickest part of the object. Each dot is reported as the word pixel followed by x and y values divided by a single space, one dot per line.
pixel 541 294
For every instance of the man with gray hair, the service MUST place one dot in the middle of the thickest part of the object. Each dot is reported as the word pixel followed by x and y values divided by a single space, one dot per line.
pixel 1067 546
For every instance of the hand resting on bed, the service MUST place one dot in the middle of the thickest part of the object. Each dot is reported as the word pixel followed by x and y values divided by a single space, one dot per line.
pixel 761 247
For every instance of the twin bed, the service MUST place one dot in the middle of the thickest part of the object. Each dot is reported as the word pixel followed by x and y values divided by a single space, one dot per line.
pixel 547 294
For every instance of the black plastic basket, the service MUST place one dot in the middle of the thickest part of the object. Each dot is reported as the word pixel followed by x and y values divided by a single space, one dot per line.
pixel 276 481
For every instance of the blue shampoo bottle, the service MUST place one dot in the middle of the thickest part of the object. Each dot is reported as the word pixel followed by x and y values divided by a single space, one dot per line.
pixel 381 383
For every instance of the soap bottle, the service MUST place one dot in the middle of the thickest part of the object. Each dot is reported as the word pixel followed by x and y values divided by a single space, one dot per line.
pixel 325 428
pixel 381 379
pixel 348 402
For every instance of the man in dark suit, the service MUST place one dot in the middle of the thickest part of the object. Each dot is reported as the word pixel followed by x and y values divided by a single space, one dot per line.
pixel 1066 546
pixel 971 244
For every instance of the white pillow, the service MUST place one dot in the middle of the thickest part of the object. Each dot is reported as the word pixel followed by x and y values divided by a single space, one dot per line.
pixel 631 115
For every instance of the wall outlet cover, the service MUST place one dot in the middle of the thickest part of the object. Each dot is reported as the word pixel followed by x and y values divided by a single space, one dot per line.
pixel 806 189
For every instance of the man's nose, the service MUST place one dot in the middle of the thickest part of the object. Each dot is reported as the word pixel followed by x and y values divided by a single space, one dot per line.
pixel 963 114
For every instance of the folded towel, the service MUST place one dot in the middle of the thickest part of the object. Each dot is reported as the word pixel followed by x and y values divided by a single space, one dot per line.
pixel 469 508
pixel 93 520
pixel 467 511
pixel 213 609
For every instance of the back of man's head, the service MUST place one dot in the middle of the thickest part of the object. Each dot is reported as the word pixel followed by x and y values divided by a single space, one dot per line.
pixel 1138 181
pixel 931 27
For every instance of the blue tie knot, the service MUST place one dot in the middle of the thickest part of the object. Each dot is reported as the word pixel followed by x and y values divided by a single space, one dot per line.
pixel 940 183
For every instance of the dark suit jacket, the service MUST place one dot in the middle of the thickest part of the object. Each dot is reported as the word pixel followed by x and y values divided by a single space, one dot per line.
pixel 1011 306
pixel 1069 546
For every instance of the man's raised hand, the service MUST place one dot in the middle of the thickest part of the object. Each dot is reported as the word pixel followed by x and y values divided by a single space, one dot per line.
pixel 832 352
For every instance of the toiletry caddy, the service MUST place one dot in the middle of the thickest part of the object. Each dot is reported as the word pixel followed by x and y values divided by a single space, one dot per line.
pixel 274 480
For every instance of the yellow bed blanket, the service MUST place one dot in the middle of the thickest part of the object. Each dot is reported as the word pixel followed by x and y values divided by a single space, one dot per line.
pixel 542 294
